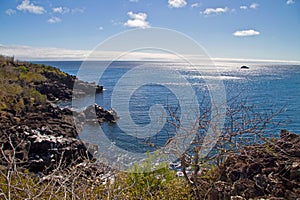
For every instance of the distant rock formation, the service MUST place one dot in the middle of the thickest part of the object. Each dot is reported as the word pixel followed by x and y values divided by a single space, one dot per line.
pixel 244 67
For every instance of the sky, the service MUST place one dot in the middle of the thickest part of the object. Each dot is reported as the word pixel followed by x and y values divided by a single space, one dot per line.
pixel 229 29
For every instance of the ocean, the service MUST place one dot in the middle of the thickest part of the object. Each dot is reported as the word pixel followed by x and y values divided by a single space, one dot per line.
pixel 264 88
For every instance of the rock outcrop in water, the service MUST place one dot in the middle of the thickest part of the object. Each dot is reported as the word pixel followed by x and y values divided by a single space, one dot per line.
pixel 244 67
pixel 98 113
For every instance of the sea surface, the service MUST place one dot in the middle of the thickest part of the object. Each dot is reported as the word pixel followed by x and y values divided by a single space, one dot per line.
pixel 269 88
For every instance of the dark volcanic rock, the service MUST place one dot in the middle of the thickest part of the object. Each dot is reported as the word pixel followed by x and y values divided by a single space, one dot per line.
pixel 244 67
pixel 40 150
pixel 47 136
pixel 98 113
pixel 59 121
pixel 58 87
pixel 270 170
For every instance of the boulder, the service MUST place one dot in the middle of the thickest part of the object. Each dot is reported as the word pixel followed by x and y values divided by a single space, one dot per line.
pixel 97 113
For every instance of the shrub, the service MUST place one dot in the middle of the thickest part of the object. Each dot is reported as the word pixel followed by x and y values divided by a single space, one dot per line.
pixel 53 69
pixel 150 181
pixel 30 77
pixel 23 69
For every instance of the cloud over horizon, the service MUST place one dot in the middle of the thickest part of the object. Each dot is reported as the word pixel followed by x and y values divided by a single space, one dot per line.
pixel 245 33
pixel 26 6
pixel 137 20
pixel 58 54
pixel 177 3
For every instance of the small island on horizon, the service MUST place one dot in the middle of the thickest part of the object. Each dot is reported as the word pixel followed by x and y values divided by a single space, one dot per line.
pixel 245 67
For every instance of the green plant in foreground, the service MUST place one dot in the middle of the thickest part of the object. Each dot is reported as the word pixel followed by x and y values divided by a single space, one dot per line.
pixel 152 181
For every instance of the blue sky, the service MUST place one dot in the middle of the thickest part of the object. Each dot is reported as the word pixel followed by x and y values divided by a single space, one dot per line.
pixel 248 29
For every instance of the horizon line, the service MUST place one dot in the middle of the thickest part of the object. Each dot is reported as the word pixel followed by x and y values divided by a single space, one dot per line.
pixel 29 53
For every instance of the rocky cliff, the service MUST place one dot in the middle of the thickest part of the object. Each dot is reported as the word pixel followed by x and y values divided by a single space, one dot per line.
pixel 34 132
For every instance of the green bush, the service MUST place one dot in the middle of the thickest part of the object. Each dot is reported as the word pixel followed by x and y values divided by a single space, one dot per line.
pixel 34 96
pixel 8 95
pixel 150 181
pixel 53 69
pixel 30 77
pixel 23 69
pixel 7 74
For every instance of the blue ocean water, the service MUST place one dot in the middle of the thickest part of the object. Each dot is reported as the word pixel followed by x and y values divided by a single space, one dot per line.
pixel 268 87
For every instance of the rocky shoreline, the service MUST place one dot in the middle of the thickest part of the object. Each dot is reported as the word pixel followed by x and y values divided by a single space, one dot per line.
pixel 43 138
pixel 37 133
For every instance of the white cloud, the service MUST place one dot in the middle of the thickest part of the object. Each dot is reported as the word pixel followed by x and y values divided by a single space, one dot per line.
pixel 290 1
pixel 195 5
pixel 251 6
pixel 100 28
pixel 135 1
pixel 30 7
pixel 64 10
pixel 61 10
pixel 115 22
pixel 254 5
pixel 78 10
pixel 57 10
pixel 10 12
pixel 177 3
pixel 244 33
pixel 54 20
pixel 138 20
pixel 209 11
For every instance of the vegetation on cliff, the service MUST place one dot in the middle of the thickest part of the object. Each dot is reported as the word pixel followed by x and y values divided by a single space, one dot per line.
pixel 18 82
